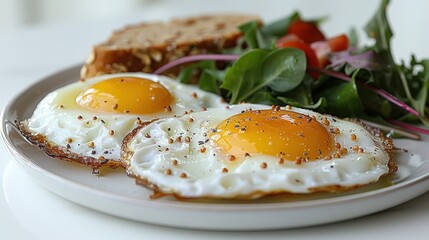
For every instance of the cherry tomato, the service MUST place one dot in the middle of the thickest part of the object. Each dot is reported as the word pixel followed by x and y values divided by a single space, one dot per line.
pixel 310 55
pixel 339 43
pixel 306 31
pixel 324 48
pixel 288 38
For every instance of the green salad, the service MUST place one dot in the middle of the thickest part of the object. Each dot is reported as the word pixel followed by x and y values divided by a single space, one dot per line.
pixel 292 62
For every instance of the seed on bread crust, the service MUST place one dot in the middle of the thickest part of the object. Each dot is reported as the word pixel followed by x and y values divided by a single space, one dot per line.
pixel 147 46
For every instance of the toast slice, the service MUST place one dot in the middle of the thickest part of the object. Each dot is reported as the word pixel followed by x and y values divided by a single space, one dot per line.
pixel 147 46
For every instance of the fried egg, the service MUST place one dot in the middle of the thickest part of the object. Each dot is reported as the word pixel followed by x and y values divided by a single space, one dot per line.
pixel 87 120
pixel 248 151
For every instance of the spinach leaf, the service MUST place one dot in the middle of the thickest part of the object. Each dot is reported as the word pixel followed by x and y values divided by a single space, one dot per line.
pixel 284 69
pixel 373 104
pixel 238 49
pixel 279 69
pixel 186 74
pixel 320 104
pixel 300 94
pixel 264 97
pixel 343 100
pixel 211 79
pixel 249 31
pixel 244 74
pixel 279 27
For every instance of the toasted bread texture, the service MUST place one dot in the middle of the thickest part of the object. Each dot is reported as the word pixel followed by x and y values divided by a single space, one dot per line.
pixel 147 46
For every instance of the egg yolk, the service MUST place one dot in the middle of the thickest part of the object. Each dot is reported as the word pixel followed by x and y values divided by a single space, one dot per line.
pixel 282 133
pixel 126 95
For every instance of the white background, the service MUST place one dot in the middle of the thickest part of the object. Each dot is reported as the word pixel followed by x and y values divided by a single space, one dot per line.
pixel 40 37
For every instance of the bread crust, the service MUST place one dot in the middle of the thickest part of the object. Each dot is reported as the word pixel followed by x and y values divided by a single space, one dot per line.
pixel 147 46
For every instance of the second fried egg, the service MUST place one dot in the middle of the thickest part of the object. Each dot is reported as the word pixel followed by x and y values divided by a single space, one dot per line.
pixel 248 151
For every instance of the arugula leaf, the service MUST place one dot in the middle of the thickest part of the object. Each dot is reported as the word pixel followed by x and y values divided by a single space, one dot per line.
pixel 379 29
pixel 416 78
pixel 422 98
pixel 353 37
pixel 422 79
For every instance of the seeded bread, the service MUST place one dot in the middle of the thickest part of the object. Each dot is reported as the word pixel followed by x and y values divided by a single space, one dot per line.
pixel 147 46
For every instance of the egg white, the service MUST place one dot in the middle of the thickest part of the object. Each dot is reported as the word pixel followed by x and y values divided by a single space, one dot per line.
pixel 160 162
pixel 59 118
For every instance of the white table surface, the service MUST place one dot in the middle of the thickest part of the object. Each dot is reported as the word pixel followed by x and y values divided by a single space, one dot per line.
pixel 29 211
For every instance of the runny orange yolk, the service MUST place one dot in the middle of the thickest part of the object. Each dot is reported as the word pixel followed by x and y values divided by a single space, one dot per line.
pixel 282 133
pixel 126 95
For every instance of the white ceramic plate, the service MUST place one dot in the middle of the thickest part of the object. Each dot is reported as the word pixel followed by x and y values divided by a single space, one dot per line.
pixel 116 194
